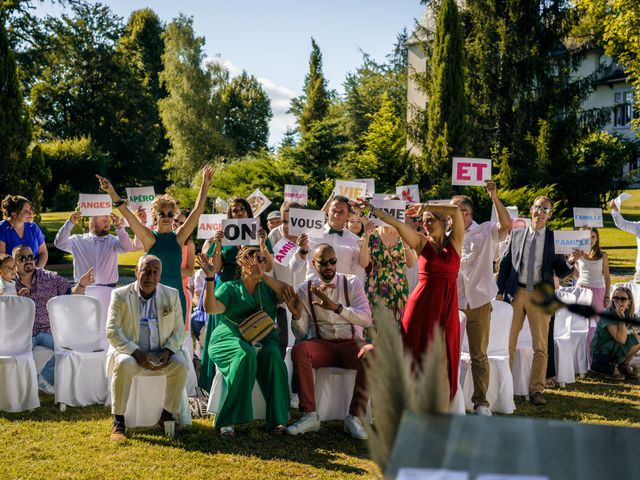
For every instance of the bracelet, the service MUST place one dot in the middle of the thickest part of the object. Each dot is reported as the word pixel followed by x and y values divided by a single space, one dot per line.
pixel 216 252
pixel 83 286
pixel 118 203
pixel 209 279
pixel 304 252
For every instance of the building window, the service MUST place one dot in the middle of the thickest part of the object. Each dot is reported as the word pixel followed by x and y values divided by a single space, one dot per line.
pixel 623 109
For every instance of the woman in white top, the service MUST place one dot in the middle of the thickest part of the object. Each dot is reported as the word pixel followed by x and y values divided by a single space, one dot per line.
pixel 593 272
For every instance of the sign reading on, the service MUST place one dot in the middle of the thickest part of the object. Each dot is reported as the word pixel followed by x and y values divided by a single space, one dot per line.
pixel 209 224
pixel 371 185
pixel 283 251
pixel 306 221
pixel 240 231
pixel 394 208
pixel 296 193
pixel 351 190
pixel 470 171
pixel 590 217
pixel 408 193
pixel 258 201
pixel 94 205
pixel 566 241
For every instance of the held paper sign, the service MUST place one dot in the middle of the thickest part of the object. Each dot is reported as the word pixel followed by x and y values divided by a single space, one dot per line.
pixel 240 231
pixel 395 208
pixel 94 205
pixel 470 171
pixel 140 197
pixel 351 190
pixel 210 224
pixel 296 193
pixel 513 213
pixel 258 201
pixel 621 198
pixel 283 251
pixel 566 241
pixel 306 221
pixel 371 185
pixel 590 217
pixel 408 193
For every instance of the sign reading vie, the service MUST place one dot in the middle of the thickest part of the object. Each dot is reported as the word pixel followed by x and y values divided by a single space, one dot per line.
pixel 94 205
pixel 306 221
pixel 240 231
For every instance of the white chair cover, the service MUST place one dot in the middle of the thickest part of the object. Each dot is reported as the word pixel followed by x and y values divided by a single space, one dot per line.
pixel 79 350
pixel 333 388
pixel 41 356
pixel 218 394
pixel 192 379
pixel 18 376
pixel 103 294
pixel 523 361
pixel 580 330
pixel 562 340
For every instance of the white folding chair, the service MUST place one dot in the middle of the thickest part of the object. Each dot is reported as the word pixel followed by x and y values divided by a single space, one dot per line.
pixel 79 350
pixel 579 330
pixel 457 404
pixel 103 295
pixel 562 341
pixel 18 376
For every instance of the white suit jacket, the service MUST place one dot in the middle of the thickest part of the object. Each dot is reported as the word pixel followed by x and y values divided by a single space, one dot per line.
pixel 123 322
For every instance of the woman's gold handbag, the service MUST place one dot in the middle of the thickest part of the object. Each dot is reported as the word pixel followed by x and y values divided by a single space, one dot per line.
pixel 257 325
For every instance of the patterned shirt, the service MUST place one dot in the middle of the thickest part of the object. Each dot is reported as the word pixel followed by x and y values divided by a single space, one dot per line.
pixel 44 286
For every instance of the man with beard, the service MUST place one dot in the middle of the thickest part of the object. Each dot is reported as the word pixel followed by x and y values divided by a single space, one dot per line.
pixel 98 250
pixel 42 285
pixel 329 313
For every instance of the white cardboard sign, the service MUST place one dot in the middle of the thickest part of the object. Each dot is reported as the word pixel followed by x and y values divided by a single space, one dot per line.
pixel 140 197
pixel 408 193
pixel 589 217
pixel 306 221
pixel 284 250
pixel 258 201
pixel 240 231
pixel 351 190
pixel 513 213
pixel 210 224
pixel 566 241
pixel 296 193
pixel 621 198
pixel 396 208
pixel 94 205
pixel 470 171
pixel 371 185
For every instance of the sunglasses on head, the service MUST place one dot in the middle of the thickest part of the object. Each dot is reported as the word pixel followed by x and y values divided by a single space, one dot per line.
pixel 620 299
pixel 26 258
pixel 328 261
pixel 166 215
pixel 540 208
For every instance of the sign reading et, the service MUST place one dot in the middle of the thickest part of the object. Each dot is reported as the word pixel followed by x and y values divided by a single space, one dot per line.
pixel 470 171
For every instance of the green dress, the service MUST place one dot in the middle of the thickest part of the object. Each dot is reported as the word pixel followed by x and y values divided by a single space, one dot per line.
pixel 604 344
pixel 238 362
pixel 166 248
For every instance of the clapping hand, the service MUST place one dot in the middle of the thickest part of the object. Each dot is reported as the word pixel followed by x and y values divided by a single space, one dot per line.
pixel 74 217
pixel 303 242
pixel 255 267
pixel 205 262
pixel 323 300
pixel 294 304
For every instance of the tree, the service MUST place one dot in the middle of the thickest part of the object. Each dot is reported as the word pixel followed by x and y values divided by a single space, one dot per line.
pixel 317 99
pixel 247 112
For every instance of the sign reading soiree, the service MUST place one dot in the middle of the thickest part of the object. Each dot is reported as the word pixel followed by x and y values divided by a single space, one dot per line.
pixel 395 208
pixel 371 185
pixel 408 193
pixel 566 241
pixel 589 217
pixel 240 231
pixel 258 201
pixel 351 190
pixel 283 251
pixel 210 224
pixel 306 221
pixel 470 171
pixel 296 193
pixel 94 205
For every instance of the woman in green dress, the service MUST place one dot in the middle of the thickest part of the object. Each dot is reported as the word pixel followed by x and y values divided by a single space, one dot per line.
pixel 165 243
pixel 237 360
pixel 612 345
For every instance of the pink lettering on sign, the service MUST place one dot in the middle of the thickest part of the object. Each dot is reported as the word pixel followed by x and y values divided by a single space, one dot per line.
pixel 283 251
pixel 85 205
pixel 208 227
pixel 463 172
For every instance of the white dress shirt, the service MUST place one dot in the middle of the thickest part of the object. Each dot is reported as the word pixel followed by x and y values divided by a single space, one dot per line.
pixel 89 250
pixel 631 227
pixel 537 264
pixel 476 283
pixel 291 274
pixel 334 326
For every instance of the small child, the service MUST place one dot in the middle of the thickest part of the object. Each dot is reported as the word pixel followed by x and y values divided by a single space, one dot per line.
pixel 8 273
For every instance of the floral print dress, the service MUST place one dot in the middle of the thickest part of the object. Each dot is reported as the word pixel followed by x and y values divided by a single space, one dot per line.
pixel 387 279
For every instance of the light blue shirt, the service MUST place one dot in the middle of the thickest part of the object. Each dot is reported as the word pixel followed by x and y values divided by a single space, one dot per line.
pixel 149 339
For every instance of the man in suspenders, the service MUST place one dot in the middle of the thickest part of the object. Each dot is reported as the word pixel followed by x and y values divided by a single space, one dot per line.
pixel 329 313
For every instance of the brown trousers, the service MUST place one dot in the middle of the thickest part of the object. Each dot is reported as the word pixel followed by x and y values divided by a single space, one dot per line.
pixel 478 321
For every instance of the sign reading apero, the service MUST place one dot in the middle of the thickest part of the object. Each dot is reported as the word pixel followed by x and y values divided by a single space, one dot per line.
pixel 306 221
pixel 240 231
pixel 94 205
pixel 470 171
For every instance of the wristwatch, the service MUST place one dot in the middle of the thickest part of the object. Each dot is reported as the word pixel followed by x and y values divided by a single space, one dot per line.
pixel 118 203
pixel 339 309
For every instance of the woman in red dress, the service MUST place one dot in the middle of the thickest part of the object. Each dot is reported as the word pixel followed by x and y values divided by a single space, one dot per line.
pixel 435 300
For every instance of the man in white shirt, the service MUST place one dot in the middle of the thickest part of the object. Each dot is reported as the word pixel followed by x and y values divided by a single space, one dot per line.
pixel 627 226
pixel 477 286
pixel 330 312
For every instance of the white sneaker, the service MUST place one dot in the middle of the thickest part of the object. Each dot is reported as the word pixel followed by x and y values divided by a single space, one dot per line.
pixel 45 386
pixel 482 410
pixel 354 428
pixel 309 423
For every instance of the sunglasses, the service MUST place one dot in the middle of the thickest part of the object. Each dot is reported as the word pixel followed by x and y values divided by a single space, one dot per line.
pixel 26 258
pixel 620 299
pixel 259 258
pixel 539 208
pixel 166 215
pixel 328 261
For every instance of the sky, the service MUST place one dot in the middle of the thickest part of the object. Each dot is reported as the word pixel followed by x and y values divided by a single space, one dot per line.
pixel 271 39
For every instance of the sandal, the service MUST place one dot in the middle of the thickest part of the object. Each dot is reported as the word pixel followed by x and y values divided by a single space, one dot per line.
pixel 279 430
pixel 550 383
pixel 228 432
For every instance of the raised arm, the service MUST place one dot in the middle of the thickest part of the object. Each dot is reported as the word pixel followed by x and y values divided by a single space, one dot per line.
pixel 504 220
pixel 183 232
pixel 209 302
pixel 457 225
pixel 408 234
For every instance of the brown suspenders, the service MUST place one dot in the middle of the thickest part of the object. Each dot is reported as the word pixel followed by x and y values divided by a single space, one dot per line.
pixel 313 310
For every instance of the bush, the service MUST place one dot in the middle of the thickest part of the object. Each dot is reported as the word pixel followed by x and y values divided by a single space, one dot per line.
pixel 65 199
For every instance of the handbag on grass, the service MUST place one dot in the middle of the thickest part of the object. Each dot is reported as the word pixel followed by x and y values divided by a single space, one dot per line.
pixel 257 325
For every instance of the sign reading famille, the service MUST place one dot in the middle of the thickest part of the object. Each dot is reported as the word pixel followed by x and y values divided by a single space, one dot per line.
pixel 566 241
pixel 258 201
pixel 470 171
pixel 371 185
pixel 296 193
pixel 210 224
pixel 408 193
pixel 589 217
pixel 351 190
pixel 94 205
pixel 395 208
pixel 306 221
pixel 240 231
pixel 284 250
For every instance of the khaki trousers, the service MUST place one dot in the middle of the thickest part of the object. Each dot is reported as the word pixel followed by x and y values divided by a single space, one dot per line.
pixel 539 324
pixel 125 368
pixel 478 321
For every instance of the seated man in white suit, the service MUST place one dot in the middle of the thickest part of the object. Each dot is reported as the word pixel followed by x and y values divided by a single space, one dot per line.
pixel 146 331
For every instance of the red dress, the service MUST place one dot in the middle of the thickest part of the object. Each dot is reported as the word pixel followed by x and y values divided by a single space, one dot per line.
pixel 433 302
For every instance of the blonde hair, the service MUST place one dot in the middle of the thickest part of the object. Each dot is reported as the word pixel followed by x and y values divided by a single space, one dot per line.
pixel 631 306
pixel 4 257
pixel 161 202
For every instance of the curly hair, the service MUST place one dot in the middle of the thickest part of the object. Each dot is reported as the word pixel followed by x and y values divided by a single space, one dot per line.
pixel 13 204
pixel 160 202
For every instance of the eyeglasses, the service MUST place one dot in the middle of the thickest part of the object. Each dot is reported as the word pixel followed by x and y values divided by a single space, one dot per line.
pixel 539 208
pixel 166 215
pixel 259 258
pixel 620 299
pixel 26 258
pixel 328 261
pixel 238 210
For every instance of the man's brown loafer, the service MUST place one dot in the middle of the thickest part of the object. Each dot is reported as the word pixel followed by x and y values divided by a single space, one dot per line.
pixel 118 433
pixel 537 399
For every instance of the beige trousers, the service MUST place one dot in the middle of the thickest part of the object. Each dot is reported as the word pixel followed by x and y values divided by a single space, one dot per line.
pixel 478 321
